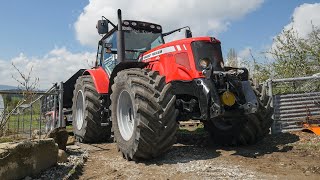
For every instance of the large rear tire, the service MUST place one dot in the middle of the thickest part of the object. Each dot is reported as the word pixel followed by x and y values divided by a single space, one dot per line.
pixel 86 113
pixel 143 114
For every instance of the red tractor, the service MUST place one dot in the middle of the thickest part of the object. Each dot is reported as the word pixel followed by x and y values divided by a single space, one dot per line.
pixel 141 87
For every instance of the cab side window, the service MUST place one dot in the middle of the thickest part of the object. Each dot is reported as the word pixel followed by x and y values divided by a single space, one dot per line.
pixel 99 53
pixel 109 60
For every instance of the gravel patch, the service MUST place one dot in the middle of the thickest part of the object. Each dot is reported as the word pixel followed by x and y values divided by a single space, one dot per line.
pixel 77 157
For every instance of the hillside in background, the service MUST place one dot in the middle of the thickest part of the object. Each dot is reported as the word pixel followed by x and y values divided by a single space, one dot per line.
pixel 6 87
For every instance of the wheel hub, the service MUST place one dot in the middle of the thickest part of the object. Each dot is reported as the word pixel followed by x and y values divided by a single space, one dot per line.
pixel 79 110
pixel 125 115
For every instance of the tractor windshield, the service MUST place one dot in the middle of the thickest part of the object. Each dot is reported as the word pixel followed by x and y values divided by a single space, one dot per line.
pixel 136 42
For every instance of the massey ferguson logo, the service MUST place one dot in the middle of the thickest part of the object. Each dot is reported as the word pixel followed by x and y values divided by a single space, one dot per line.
pixel 159 52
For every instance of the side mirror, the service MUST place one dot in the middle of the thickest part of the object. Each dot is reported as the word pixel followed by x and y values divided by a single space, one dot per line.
pixel 188 33
pixel 102 26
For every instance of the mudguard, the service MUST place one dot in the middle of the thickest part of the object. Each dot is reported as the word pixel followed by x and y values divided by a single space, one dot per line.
pixel 100 79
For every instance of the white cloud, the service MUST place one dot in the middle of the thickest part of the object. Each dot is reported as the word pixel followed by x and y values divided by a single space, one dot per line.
pixel 245 53
pixel 303 17
pixel 244 57
pixel 203 16
pixel 57 65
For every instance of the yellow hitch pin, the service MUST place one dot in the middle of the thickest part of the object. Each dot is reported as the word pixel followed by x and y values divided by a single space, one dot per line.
pixel 228 98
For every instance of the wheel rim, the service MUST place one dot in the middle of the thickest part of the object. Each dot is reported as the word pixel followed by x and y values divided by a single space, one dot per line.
pixel 125 115
pixel 79 110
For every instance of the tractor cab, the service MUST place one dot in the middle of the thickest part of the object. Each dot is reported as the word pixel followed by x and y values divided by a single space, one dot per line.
pixel 138 37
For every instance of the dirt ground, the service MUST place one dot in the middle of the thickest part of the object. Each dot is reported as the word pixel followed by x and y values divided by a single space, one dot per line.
pixel 290 156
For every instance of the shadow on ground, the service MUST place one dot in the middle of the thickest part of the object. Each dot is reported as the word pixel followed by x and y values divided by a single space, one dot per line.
pixel 199 146
pixel 271 143
pixel 190 146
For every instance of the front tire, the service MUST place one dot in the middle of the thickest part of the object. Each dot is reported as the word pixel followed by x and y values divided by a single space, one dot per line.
pixel 143 114
pixel 240 129
pixel 86 113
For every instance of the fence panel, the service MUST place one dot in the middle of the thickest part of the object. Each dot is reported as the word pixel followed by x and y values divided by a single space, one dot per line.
pixel 31 119
pixel 294 102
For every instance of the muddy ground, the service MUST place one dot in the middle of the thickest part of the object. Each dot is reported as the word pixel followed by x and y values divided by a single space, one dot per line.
pixel 290 156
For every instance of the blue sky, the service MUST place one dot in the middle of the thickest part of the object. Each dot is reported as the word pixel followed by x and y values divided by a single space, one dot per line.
pixel 35 27
pixel 40 28
pixel 257 29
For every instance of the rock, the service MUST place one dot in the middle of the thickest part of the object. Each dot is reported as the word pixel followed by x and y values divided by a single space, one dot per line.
pixel 36 132
pixel 26 158
pixel 71 140
pixel 307 173
pixel 60 136
pixel 62 156
pixel 28 178
pixel 73 147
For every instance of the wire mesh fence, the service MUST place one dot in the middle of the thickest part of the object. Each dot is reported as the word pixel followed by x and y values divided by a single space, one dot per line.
pixel 33 118
pixel 295 101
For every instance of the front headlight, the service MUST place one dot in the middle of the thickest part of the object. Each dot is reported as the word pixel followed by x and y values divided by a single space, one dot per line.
pixel 204 63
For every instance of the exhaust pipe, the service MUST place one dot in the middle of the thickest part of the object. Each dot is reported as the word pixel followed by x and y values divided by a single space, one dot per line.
pixel 120 40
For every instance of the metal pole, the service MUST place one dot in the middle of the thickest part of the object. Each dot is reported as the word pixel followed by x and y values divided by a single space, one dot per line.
pixel 273 126
pixel 54 108
pixel 8 122
pixel 46 104
pixel 296 79
pixel 40 118
pixel 61 124
pixel 6 128
pixel 18 127
pixel 30 120
pixel 120 40
pixel 15 126
pixel 23 120
pixel 46 110
pixel 270 94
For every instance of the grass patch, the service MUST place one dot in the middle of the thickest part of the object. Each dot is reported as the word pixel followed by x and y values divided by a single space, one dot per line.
pixel 6 139
pixel 198 130
pixel 10 138
pixel 23 122
pixel 308 146
pixel 69 128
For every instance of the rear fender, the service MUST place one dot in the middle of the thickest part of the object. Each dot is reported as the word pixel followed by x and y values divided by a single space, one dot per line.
pixel 100 78
pixel 103 81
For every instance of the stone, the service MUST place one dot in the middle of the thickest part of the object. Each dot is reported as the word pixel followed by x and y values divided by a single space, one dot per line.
pixel 73 147
pixel 62 156
pixel 36 132
pixel 28 178
pixel 307 173
pixel 27 158
pixel 71 140
pixel 60 136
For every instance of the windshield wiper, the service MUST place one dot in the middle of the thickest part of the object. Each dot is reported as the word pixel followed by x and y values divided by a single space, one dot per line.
pixel 173 31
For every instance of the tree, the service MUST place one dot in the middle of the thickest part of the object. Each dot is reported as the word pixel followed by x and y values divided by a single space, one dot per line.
pixel 27 85
pixel 232 58
pixel 296 56
pixel 261 72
